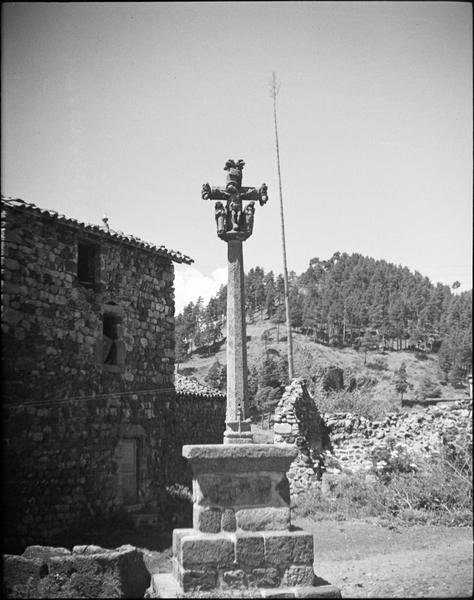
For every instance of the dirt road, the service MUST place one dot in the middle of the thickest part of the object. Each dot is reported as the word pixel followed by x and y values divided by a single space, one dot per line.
pixel 369 561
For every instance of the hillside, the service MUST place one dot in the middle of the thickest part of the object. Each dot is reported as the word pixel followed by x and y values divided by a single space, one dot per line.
pixel 312 358
pixel 352 302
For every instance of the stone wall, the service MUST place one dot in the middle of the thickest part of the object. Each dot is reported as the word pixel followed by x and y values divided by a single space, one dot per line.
pixel 69 415
pixel 52 327
pixel 343 442
pixel 297 421
pixel 62 461
pixel 86 572
pixel 356 441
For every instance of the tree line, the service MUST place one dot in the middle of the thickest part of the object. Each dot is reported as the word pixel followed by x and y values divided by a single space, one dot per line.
pixel 348 300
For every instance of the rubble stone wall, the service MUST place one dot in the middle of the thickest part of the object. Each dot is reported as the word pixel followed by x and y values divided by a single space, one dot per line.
pixel 62 461
pixel 43 300
pixel 343 442
pixel 86 572
pixel 298 421
pixel 67 416
pixel 355 439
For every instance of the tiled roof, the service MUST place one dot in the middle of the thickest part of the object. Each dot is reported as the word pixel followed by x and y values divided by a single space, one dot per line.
pixel 186 386
pixel 97 229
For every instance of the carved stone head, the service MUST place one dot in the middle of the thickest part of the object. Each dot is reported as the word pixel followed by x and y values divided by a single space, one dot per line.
pixel 234 175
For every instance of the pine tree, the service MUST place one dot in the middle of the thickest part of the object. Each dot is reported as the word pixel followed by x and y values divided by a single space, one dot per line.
pixel 269 285
pixel 217 376
pixel 269 374
pixel 401 380
pixel 180 347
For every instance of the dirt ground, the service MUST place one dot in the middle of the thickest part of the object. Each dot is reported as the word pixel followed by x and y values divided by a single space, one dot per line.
pixel 366 560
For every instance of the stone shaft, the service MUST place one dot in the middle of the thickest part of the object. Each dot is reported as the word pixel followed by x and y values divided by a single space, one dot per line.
pixel 236 334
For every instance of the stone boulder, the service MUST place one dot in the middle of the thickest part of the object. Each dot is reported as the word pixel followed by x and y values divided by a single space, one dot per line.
pixel 86 572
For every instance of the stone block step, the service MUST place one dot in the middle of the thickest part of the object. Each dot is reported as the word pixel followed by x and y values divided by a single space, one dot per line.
pixel 164 585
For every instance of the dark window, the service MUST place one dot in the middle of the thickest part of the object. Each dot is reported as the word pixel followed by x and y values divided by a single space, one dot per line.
pixel 87 262
pixel 112 334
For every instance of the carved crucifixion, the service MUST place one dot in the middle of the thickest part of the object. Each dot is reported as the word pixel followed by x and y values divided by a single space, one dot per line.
pixel 234 225
pixel 232 219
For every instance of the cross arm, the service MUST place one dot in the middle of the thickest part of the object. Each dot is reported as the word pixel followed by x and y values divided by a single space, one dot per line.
pixel 251 193
pixel 213 193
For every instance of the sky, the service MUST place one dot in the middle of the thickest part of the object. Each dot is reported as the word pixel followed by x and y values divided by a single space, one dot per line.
pixel 126 109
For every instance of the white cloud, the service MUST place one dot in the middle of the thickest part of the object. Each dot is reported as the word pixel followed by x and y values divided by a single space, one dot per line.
pixel 190 283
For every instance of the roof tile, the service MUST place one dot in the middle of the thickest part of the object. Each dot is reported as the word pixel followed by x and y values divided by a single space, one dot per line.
pixel 174 255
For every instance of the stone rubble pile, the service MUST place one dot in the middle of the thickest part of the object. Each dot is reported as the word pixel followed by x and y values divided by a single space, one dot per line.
pixel 345 442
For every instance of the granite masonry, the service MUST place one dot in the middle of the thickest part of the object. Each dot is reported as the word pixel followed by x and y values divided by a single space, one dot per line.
pixel 85 572
pixel 92 420
pixel 344 442
pixel 242 541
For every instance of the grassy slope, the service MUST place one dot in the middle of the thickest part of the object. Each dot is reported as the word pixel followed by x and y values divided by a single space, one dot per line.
pixel 310 356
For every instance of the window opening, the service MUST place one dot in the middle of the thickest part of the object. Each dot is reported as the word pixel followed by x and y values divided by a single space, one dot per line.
pixel 87 255
pixel 111 336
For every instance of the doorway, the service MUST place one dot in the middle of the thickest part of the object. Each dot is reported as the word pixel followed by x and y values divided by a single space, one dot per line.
pixel 129 470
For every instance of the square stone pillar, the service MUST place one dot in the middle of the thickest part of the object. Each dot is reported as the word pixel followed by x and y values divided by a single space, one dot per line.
pixel 237 429
pixel 242 541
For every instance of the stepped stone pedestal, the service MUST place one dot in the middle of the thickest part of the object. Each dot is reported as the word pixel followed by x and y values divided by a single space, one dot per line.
pixel 242 543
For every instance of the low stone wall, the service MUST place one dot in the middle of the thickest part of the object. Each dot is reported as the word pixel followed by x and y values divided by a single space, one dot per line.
pixel 86 572
pixel 197 420
pixel 62 460
pixel 356 440
pixel 344 442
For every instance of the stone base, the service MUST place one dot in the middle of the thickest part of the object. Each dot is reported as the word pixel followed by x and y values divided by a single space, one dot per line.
pixel 238 432
pixel 242 544
pixel 238 437
pixel 164 585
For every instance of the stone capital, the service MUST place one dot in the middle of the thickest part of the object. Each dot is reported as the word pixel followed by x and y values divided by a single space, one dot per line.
pixel 234 236
pixel 240 458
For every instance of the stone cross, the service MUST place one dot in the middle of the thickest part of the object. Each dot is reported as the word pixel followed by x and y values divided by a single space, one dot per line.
pixel 234 226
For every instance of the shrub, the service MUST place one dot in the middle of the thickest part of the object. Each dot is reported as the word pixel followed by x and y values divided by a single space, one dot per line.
pixel 378 364
pixel 391 458
pixel 341 497
pixel 408 488
pixel 217 376
pixel 428 389
pixel 358 402
pixel 179 492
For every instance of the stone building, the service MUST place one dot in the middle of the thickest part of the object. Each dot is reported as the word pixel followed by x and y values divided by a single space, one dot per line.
pixel 92 421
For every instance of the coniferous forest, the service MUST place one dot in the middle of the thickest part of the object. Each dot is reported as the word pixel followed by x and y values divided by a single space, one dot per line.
pixel 348 300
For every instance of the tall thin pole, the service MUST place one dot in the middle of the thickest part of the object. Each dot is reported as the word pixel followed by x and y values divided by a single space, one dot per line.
pixel 274 91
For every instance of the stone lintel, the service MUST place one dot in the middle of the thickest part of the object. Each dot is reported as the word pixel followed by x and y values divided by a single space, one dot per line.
pixel 239 457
